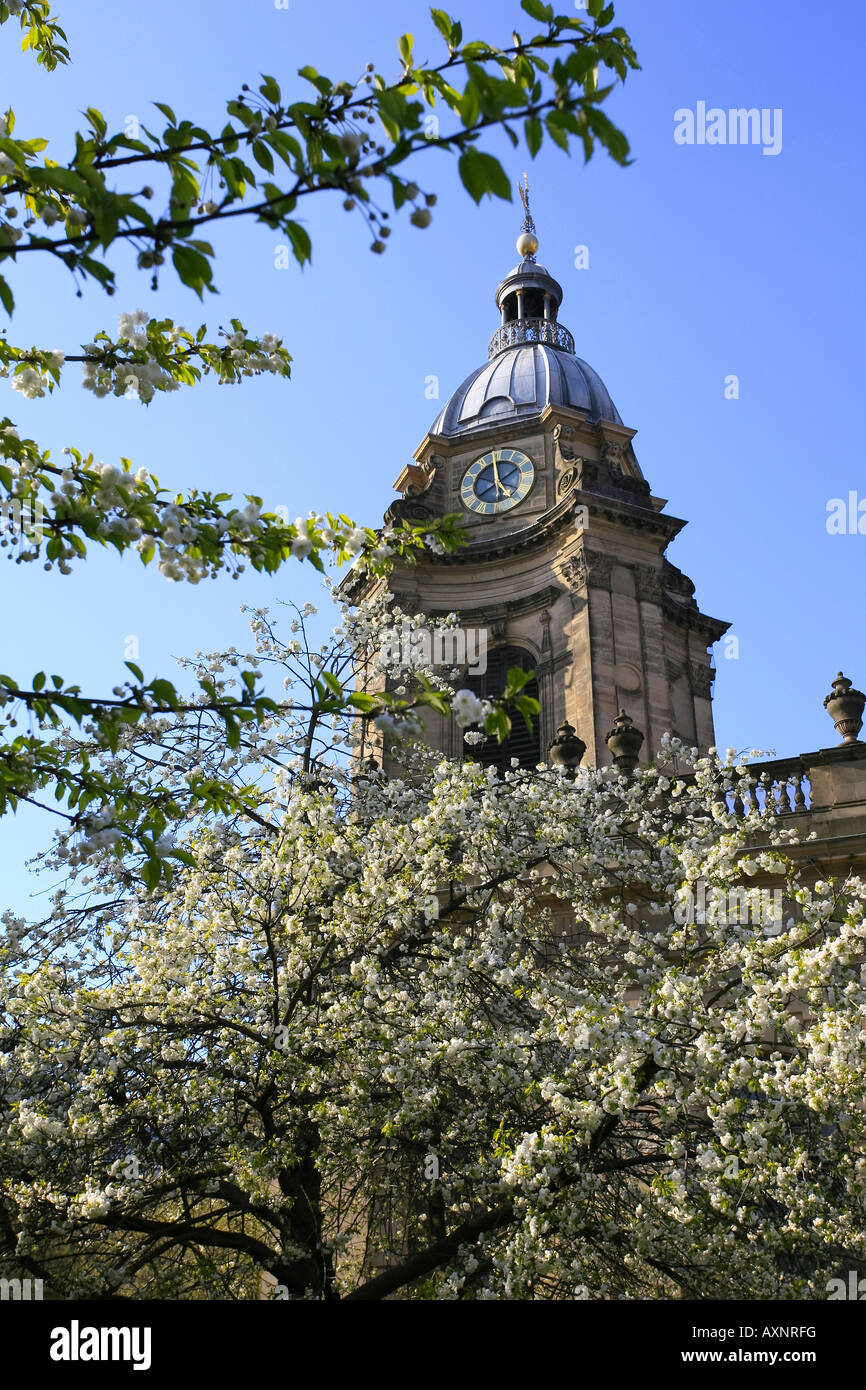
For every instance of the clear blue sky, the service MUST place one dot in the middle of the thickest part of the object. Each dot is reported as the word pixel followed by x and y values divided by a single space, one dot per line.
pixel 705 261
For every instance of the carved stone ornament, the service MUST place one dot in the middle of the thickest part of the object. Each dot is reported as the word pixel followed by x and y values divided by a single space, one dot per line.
pixel 576 571
pixel 845 707
pixel 613 454
pixel 648 582
pixel 702 678
pixel 600 569
pixel 408 509
pixel 561 436
pixel 566 750
pixel 624 742
pixel 568 479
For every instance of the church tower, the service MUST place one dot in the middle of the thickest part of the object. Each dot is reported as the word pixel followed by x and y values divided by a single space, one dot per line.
pixel 566 570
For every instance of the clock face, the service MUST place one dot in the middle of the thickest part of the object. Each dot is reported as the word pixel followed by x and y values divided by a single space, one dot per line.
pixel 496 482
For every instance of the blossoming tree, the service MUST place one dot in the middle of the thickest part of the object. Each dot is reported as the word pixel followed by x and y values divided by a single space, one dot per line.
pixel 445 1035
pixel 157 192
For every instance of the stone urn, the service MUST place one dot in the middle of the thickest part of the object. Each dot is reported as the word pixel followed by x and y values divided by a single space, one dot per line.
pixel 845 708
pixel 566 750
pixel 624 742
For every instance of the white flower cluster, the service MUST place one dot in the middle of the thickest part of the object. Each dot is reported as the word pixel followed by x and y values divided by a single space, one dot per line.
pixel 32 381
pixel 138 380
pixel 141 379
pixel 468 709
pixel 253 356
pixel 408 725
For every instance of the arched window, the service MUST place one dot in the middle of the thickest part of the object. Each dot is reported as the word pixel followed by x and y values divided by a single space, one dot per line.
pixel 521 744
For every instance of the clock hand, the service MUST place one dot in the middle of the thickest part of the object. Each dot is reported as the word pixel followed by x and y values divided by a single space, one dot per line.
pixel 499 487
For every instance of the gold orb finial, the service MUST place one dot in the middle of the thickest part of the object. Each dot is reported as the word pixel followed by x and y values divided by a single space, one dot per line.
pixel 527 242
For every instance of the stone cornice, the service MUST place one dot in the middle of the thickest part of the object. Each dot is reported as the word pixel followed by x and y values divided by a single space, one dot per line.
pixel 693 618
pixel 628 513
pixel 512 427
pixel 506 431
pixel 489 613
pixel 508 543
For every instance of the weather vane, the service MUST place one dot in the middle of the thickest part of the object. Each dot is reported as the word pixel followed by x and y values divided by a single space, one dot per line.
pixel 527 242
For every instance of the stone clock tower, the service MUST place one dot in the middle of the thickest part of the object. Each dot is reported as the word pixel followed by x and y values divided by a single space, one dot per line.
pixel 566 567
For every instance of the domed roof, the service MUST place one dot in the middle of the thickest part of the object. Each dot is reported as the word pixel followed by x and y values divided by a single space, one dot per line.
pixel 521 381
pixel 531 362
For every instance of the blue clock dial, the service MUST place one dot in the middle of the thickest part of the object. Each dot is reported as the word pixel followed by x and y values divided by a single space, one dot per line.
pixel 497 481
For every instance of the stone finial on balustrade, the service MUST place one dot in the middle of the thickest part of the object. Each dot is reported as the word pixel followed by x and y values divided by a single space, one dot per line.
pixel 845 708
pixel 624 742
pixel 566 750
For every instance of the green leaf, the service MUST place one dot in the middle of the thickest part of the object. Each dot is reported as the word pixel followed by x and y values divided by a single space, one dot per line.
pixel 443 23
pixel 542 12
pixel 65 179
pixel 301 244
pixel 399 190
pixel 499 724
pixel 469 106
pixel 6 296
pixel 269 89
pixel 322 84
pixel 263 156
pixel 611 137
pixel 193 268
pixel 151 871
pixel 136 670
pixel 404 48
pixel 97 120
pixel 359 700
pixel 166 111
pixel 100 272
pixel 163 691
pixel 555 131
pixel 517 679
pixel 534 132
pixel 286 146
pixel 398 114
pixel 482 174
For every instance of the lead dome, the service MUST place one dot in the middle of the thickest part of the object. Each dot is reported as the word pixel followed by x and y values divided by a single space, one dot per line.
pixel 531 359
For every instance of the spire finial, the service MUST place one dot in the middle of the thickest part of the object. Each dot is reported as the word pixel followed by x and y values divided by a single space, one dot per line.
pixel 527 242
